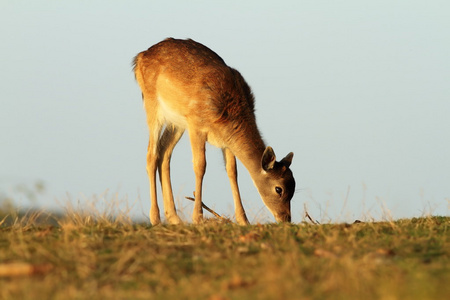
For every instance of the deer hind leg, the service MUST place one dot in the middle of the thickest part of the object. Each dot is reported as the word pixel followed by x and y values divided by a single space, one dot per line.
pixel 167 142
pixel 230 165
pixel 198 140
pixel 152 164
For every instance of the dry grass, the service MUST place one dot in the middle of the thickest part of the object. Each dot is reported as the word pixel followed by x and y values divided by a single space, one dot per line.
pixel 92 255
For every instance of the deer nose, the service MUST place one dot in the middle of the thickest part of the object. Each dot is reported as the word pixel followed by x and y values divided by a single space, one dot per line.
pixel 284 218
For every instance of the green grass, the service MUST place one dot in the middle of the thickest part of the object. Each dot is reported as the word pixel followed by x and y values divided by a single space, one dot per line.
pixel 86 257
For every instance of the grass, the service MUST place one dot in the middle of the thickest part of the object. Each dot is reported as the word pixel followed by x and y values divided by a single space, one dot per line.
pixel 85 256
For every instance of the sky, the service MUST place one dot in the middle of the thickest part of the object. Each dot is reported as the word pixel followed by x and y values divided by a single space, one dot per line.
pixel 358 90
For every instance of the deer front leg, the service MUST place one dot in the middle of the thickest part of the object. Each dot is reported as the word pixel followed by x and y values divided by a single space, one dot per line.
pixel 230 165
pixel 198 141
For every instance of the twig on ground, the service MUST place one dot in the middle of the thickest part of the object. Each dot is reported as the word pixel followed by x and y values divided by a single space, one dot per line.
pixel 309 217
pixel 23 269
pixel 210 210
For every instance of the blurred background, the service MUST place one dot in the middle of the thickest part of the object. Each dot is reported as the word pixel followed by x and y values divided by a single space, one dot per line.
pixel 358 90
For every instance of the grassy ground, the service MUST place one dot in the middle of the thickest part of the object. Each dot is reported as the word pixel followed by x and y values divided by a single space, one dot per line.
pixel 96 258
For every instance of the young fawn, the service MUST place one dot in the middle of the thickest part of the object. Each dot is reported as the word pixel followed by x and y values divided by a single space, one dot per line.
pixel 185 85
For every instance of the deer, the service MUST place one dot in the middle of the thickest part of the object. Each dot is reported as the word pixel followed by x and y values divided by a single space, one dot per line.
pixel 187 86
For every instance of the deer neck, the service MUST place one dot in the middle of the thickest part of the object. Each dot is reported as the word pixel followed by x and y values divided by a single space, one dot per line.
pixel 248 146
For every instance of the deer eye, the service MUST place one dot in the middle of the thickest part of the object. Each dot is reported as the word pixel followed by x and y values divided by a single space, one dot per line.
pixel 278 190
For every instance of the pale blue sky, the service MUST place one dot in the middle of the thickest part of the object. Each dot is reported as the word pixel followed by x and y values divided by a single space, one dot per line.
pixel 358 90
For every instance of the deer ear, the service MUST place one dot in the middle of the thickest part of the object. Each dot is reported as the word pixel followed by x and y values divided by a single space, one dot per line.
pixel 268 159
pixel 288 159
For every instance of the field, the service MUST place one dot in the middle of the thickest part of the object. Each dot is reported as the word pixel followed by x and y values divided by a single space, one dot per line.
pixel 99 257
